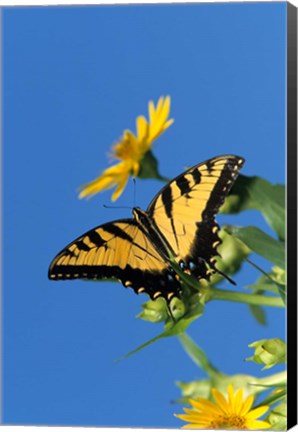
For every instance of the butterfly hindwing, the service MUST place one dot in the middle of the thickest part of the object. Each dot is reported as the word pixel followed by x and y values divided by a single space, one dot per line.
pixel 119 250
pixel 184 212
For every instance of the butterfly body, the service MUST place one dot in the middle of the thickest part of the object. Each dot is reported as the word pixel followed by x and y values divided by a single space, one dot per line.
pixel 158 240
pixel 179 224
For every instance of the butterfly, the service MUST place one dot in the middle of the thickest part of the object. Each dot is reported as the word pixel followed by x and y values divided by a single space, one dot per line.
pixel 179 223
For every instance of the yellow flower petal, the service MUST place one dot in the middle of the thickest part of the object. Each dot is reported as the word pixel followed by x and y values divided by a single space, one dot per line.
pixel 159 105
pixel 238 400
pixel 197 415
pixel 168 124
pixel 165 109
pixel 190 411
pixel 119 189
pixel 158 117
pixel 258 424
pixel 185 417
pixel 151 110
pixel 231 396
pixel 154 113
pixel 221 401
pixel 195 426
pixel 97 185
pixel 247 404
pixel 257 412
pixel 205 405
pixel 142 128
pixel 199 420
pixel 107 180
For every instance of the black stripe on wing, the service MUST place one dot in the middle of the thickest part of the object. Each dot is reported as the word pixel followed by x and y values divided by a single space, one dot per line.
pixel 223 185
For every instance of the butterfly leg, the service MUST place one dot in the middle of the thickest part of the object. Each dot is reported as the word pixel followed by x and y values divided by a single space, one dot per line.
pixel 224 275
pixel 215 269
pixel 203 269
pixel 170 312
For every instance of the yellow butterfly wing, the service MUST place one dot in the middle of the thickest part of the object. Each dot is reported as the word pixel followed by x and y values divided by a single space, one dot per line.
pixel 184 212
pixel 121 250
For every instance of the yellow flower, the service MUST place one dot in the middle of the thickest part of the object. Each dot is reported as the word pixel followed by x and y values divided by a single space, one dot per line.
pixel 225 413
pixel 131 149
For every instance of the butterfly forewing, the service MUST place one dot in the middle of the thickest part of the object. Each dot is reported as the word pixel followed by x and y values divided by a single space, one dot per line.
pixel 185 210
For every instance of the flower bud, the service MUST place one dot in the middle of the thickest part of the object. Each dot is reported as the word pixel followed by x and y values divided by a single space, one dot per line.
pixel 268 352
pixel 154 311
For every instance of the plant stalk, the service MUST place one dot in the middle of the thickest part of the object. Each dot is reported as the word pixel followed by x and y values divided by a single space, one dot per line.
pixel 252 299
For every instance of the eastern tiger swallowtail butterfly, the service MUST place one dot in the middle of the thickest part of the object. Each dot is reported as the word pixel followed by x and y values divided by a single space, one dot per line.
pixel 180 219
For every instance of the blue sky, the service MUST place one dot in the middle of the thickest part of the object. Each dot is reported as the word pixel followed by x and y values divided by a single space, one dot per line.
pixel 74 79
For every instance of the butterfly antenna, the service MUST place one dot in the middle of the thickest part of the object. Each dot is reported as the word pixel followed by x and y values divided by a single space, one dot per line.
pixel 134 191
pixel 116 207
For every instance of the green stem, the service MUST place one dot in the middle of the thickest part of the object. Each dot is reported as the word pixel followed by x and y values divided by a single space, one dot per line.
pixel 252 299
pixel 280 377
pixel 197 355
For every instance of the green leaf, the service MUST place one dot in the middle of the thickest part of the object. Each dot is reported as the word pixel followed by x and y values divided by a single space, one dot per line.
pixel 257 193
pixel 149 168
pixel 261 243
pixel 258 313
pixel 197 354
